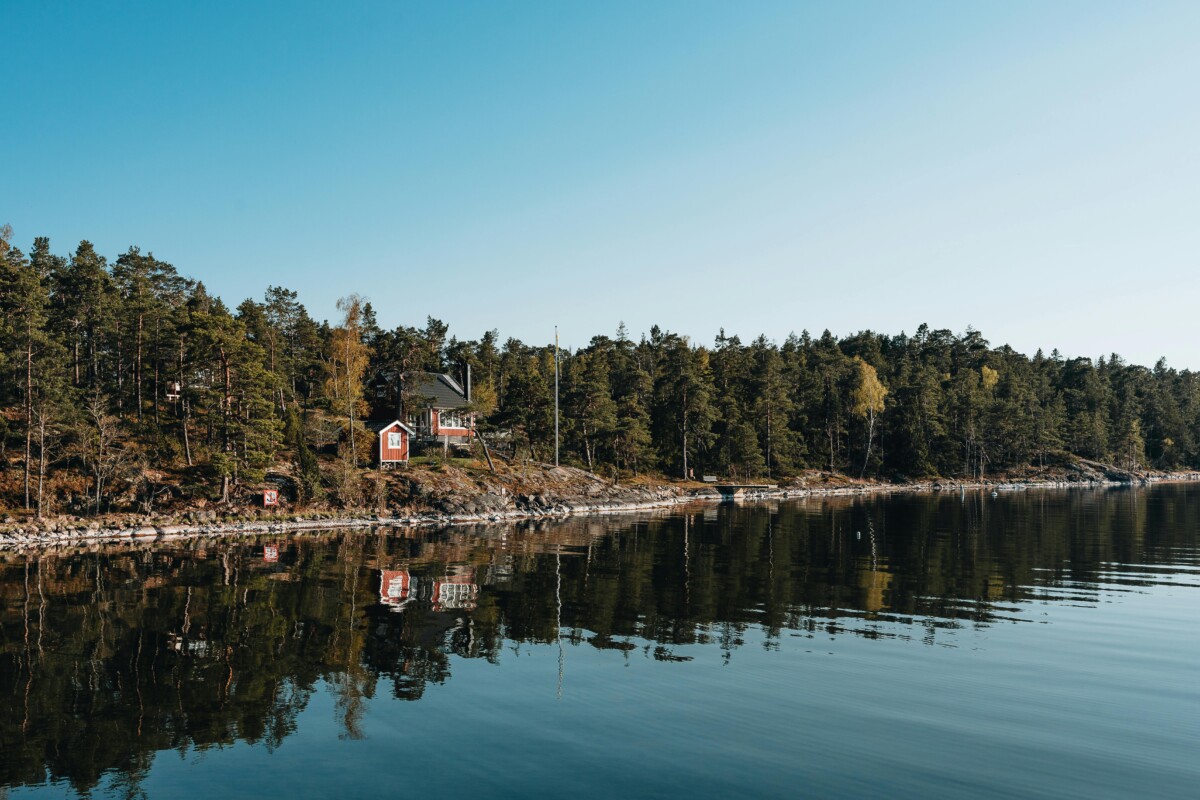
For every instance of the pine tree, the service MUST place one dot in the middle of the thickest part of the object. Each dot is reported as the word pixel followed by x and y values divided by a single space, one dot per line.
pixel 772 409
pixel 23 301
pixel 589 405
pixel 83 296
pixel 683 399
pixel 632 387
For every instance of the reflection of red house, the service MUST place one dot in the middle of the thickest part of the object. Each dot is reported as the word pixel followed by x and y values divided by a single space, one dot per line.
pixel 395 588
pixel 398 588
pixel 392 441
pixel 455 591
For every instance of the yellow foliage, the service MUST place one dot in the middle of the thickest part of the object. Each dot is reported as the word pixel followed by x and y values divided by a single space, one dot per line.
pixel 990 377
pixel 483 398
pixel 870 394
pixel 348 360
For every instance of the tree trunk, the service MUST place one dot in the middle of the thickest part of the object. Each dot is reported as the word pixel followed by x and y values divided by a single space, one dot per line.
pixel 350 402
pixel 768 440
pixel 120 373
pixel 226 411
pixel 486 454
pixel 157 364
pixel 41 460
pixel 137 367
pixel 870 437
pixel 829 431
pixel 28 410
pixel 683 408
pixel 685 463
pixel 187 445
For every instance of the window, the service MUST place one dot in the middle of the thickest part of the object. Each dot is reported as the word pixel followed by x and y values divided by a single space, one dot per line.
pixel 395 440
pixel 451 419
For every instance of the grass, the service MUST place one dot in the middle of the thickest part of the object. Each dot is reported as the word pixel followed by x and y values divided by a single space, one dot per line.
pixel 436 461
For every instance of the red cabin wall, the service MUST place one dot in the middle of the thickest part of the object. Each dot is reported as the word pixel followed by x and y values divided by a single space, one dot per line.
pixel 393 453
pixel 438 430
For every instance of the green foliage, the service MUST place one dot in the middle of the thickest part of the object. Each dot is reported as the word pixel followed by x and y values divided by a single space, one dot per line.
pixel 137 355
pixel 308 470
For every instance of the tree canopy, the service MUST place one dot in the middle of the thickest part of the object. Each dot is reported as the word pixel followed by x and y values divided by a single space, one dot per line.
pixel 114 373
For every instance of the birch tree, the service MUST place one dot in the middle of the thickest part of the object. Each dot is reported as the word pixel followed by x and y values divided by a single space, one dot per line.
pixel 868 400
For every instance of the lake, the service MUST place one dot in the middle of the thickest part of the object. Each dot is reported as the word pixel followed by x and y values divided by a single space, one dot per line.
pixel 1034 644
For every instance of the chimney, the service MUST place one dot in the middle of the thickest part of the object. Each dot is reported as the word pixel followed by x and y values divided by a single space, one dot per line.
pixel 468 381
pixel 400 398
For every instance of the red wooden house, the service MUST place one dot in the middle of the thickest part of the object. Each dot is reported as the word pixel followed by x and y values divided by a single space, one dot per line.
pixel 442 414
pixel 433 405
pixel 392 440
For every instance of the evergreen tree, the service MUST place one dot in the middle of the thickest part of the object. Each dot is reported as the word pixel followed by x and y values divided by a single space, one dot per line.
pixel 632 387
pixel 589 406
pixel 683 401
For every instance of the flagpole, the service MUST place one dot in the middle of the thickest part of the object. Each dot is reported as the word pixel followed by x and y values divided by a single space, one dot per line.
pixel 556 395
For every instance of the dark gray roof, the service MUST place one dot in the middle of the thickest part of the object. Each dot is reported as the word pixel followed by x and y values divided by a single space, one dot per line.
pixel 445 391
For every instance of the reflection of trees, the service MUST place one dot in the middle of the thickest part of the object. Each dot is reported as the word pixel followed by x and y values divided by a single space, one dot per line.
pixel 112 654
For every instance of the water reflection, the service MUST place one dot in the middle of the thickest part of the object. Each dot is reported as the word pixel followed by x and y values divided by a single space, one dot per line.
pixel 109 654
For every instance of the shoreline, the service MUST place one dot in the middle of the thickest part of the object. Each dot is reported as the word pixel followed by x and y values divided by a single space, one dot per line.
pixel 25 537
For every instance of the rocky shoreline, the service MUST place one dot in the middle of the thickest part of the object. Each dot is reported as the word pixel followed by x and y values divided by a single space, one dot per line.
pixel 597 496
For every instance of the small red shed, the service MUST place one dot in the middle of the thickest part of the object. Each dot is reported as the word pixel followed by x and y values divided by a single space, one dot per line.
pixel 393 439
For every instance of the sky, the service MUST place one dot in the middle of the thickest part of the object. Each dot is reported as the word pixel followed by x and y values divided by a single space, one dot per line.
pixel 1028 169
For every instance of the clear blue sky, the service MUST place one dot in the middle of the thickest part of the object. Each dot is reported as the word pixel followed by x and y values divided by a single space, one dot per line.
pixel 1031 169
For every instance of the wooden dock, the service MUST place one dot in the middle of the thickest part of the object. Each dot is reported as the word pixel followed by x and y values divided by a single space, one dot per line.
pixel 736 491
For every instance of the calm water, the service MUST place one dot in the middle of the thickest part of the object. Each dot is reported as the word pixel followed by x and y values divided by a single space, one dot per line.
pixel 1039 644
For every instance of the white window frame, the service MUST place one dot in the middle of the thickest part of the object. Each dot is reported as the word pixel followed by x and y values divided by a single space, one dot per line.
pixel 459 418
pixel 395 440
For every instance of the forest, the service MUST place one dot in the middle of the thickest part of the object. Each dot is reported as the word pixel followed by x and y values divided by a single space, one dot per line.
pixel 124 383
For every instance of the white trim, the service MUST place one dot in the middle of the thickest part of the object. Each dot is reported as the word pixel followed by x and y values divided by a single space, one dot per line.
pixel 455 385
pixel 459 418
pixel 411 432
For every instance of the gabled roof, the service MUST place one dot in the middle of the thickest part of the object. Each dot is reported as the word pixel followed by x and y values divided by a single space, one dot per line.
pixel 380 425
pixel 445 391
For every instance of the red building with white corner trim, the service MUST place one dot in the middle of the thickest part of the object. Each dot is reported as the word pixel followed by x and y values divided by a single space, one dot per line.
pixel 393 440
